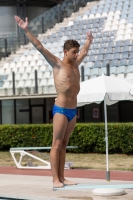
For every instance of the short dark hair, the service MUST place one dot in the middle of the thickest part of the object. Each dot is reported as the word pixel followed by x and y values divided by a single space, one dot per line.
pixel 69 44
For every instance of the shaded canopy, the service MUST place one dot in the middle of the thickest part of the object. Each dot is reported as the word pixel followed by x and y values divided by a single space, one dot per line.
pixel 110 89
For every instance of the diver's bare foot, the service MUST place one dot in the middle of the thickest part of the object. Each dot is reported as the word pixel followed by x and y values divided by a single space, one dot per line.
pixel 57 184
pixel 66 182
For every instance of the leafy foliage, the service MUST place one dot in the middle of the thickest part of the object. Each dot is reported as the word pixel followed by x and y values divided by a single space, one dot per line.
pixel 90 138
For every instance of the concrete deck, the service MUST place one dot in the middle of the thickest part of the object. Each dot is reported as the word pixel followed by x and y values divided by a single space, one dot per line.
pixel 29 187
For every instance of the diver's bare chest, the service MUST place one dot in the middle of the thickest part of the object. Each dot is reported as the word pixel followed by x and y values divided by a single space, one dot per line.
pixel 70 74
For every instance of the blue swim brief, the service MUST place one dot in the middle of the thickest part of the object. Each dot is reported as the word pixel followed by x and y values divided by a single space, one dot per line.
pixel 69 113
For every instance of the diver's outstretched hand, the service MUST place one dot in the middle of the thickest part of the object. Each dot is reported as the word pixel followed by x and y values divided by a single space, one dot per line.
pixel 89 36
pixel 21 23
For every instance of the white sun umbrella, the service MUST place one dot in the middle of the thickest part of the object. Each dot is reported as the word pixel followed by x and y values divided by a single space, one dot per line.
pixel 107 89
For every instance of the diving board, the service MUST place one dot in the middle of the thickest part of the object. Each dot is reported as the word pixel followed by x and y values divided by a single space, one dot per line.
pixel 85 186
pixel 22 151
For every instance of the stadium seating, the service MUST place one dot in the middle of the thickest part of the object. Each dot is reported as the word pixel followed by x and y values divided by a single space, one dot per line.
pixel 111 22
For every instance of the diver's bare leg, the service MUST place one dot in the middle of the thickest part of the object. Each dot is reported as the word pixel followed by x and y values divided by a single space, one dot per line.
pixel 69 130
pixel 59 128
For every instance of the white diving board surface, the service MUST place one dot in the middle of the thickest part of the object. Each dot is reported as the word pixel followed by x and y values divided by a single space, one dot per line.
pixel 85 186
pixel 37 148
pixel 10 198
pixel 23 151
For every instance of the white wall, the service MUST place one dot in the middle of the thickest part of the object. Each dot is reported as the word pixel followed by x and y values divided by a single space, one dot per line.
pixel 7 23
pixel 8 112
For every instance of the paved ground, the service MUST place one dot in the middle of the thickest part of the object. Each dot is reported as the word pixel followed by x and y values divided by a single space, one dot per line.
pixel 39 187
pixel 74 173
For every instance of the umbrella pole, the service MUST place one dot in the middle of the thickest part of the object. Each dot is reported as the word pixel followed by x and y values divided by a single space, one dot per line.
pixel 106 139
